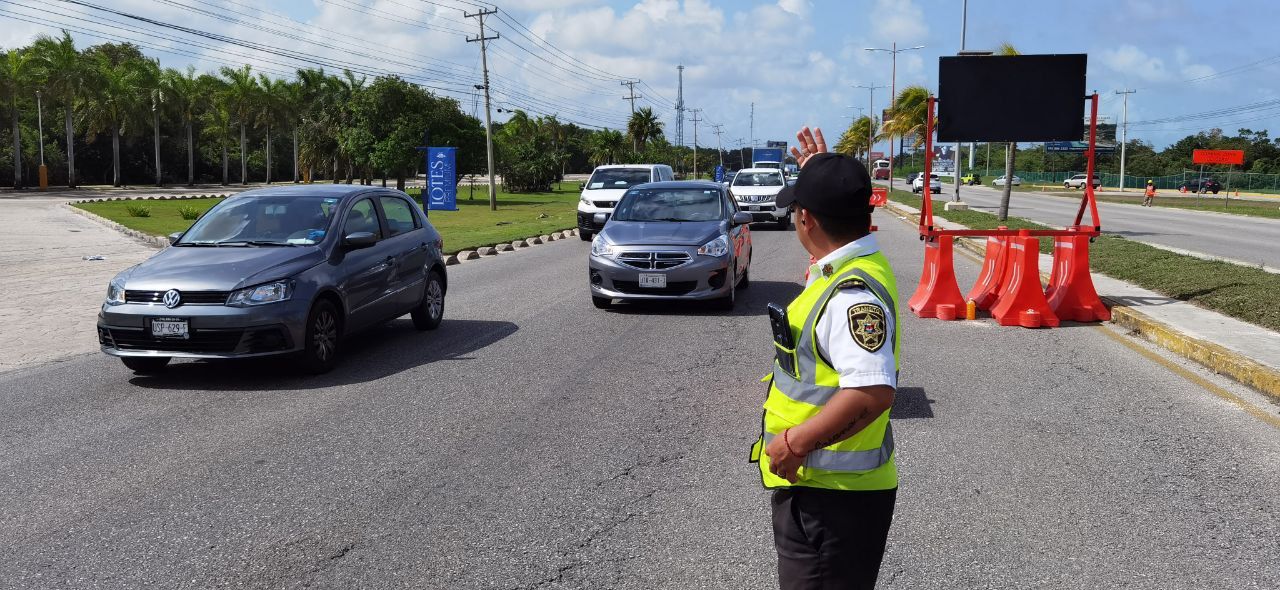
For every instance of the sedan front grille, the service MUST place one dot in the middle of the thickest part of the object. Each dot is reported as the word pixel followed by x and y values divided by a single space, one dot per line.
pixel 654 260
pixel 188 297
pixel 200 340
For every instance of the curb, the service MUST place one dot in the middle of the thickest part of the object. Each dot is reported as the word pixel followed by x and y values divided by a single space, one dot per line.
pixel 157 242
pixel 1215 357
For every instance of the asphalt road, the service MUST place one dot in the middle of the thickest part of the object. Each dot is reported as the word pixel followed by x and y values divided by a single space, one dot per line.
pixel 1254 240
pixel 536 442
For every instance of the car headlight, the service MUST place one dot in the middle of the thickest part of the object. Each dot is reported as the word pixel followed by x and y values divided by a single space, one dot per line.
pixel 115 292
pixel 262 294
pixel 584 200
pixel 716 247
pixel 599 247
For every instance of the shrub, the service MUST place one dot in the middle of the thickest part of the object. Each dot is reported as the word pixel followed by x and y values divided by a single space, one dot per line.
pixel 138 210
pixel 189 212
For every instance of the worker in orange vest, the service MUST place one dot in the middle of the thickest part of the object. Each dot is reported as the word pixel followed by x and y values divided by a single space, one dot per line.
pixel 1151 194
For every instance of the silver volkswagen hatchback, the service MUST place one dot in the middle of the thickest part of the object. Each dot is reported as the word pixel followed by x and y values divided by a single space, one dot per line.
pixel 288 270
pixel 672 240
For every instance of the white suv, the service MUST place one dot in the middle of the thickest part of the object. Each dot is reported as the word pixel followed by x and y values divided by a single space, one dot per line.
pixel 756 190
pixel 600 194
pixel 1077 181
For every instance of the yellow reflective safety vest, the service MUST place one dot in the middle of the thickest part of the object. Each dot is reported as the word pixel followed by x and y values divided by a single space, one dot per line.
pixel 864 461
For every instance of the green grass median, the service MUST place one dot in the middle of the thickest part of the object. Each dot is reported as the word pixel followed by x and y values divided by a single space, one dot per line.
pixel 471 226
pixel 1171 199
pixel 1238 291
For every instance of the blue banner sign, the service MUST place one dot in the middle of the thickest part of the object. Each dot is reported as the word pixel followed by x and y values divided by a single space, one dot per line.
pixel 719 173
pixel 441 193
pixel 1077 147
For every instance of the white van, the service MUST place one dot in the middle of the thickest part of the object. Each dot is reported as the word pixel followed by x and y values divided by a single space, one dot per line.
pixel 601 192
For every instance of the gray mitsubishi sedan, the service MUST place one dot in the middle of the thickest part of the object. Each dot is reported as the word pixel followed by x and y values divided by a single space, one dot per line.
pixel 672 240
pixel 287 270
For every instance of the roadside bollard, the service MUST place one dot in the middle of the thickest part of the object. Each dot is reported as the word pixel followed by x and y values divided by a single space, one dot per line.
pixel 971 310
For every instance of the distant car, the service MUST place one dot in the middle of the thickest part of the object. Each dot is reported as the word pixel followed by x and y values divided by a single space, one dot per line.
pixel 971 179
pixel 999 181
pixel 935 185
pixel 1194 186
pixel 601 192
pixel 672 240
pixel 278 271
pixel 755 190
pixel 1078 180
pixel 911 178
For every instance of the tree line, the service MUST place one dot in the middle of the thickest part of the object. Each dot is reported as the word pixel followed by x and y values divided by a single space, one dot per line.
pixel 112 115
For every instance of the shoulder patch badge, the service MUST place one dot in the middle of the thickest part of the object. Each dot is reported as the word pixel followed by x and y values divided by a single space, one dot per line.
pixel 867 326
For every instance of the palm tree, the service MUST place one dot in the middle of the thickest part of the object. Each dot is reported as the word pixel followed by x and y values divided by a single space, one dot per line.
pixel 1006 49
pixel 909 116
pixel 216 117
pixel 15 80
pixel 189 94
pixel 605 146
pixel 642 127
pixel 270 105
pixel 854 139
pixel 241 91
pixel 65 72
pixel 291 105
pixel 153 79
pixel 114 104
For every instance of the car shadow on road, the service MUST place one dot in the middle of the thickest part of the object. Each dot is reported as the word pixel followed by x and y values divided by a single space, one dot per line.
pixel 368 356
pixel 911 402
pixel 752 301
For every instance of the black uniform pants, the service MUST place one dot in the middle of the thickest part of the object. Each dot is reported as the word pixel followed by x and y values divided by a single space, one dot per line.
pixel 830 539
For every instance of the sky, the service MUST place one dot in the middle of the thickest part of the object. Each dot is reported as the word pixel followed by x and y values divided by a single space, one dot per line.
pixel 797 61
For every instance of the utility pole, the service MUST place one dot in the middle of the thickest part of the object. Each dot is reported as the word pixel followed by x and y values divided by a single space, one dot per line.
pixel 751 135
pixel 631 85
pixel 719 146
pixel 680 106
pixel 695 141
pixel 488 117
pixel 44 172
pixel 1124 134
pixel 871 119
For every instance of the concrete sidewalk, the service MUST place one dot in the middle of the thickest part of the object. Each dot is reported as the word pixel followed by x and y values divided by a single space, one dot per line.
pixel 52 292
pixel 1245 352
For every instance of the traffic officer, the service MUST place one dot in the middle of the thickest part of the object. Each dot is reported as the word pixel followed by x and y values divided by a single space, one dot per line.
pixel 826 447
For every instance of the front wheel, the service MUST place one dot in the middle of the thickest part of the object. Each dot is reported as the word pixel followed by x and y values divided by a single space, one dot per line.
pixel 785 223
pixel 430 312
pixel 727 302
pixel 145 365
pixel 324 329
pixel 585 235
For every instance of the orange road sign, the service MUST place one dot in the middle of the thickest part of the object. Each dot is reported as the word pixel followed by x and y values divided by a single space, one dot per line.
pixel 1217 157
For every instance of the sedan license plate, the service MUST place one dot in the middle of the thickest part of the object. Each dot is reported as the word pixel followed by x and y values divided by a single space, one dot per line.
pixel 169 328
pixel 753 208
pixel 653 281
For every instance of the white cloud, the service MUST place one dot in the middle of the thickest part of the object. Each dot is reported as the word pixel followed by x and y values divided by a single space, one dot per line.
pixel 797 7
pixel 1135 63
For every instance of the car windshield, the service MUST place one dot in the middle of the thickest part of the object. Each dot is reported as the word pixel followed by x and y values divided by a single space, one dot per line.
pixel 283 220
pixel 691 204
pixel 618 178
pixel 758 179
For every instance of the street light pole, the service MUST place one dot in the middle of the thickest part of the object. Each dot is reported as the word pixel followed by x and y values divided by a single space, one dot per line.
pixel 1124 134
pixel 871 116
pixel 893 94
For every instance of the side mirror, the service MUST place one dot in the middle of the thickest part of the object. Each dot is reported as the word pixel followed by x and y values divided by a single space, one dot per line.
pixel 600 218
pixel 582 186
pixel 741 218
pixel 358 240
pixel 174 237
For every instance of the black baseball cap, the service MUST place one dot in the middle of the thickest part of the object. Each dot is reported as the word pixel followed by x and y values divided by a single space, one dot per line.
pixel 831 184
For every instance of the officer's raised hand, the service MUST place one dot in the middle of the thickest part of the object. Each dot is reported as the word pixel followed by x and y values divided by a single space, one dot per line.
pixel 810 143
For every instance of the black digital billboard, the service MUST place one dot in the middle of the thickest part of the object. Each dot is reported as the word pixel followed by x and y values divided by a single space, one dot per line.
pixel 1011 98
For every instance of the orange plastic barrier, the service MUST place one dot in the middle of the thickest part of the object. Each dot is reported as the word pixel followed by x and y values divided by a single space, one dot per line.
pixel 987 289
pixel 937 281
pixel 879 196
pixel 1071 293
pixel 1022 297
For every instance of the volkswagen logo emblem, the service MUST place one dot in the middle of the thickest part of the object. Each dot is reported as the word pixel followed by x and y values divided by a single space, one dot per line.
pixel 172 298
